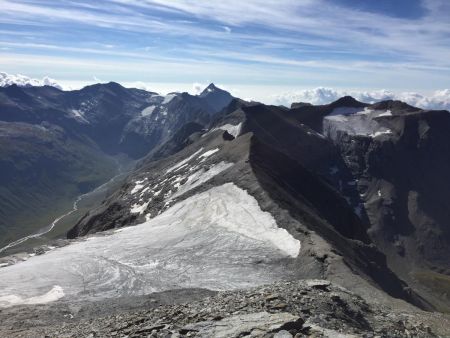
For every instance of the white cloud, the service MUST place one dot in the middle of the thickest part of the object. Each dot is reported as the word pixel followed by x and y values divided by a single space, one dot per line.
pixel 197 88
pixel 25 81
pixel 437 100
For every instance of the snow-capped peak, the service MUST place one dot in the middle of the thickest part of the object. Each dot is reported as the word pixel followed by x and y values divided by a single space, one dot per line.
pixel 25 81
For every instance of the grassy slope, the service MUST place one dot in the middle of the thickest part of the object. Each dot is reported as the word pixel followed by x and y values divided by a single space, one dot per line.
pixel 42 172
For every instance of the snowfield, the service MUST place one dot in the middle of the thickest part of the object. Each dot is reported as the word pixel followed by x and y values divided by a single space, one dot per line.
pixel 219 239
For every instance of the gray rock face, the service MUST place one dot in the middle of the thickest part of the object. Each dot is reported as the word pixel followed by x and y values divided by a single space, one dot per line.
pixel 253 324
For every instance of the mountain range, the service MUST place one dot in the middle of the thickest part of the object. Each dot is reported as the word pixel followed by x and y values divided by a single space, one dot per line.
pixel 225 194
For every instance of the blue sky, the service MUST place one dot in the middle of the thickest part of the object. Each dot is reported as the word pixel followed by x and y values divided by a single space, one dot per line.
pixel 254 47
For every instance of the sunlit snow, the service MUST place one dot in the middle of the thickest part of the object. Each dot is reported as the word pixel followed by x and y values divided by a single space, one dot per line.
pixel 218 239
pixel 186 160
pixel 201 176
pixel 209 153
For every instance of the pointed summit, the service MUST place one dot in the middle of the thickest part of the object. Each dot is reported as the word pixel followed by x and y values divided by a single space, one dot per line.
pixel 347 101
pixel 216 98
pixel 210 89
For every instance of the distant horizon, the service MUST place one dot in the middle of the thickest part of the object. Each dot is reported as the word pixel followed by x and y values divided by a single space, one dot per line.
pixel 439 99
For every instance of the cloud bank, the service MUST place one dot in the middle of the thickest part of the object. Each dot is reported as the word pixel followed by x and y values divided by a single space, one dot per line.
pixel 437 100
pixel 25 81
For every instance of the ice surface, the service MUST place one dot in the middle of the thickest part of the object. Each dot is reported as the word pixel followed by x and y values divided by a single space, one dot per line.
pixel 218 239
pixel 54 294
pixel 354 121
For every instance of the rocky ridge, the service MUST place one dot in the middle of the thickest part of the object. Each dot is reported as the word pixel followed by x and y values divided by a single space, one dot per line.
pixel 307 308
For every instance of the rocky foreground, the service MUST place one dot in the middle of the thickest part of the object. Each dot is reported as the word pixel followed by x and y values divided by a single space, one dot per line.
pixel 307 308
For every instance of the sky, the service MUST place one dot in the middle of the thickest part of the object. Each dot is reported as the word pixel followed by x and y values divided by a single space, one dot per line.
pixel 254 48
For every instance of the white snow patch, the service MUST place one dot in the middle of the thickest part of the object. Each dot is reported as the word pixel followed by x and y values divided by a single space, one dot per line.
pixel 144 190
pixel 383 132
pixel 183 162
pixel 137 187
pixel 54 294
pixel 209 153
pixel 231 129
pixel 79 114
pixel 386 113
pixel 201 176
pixel 148 111
pixel 247 218
pixel 139 209
pixel 379 193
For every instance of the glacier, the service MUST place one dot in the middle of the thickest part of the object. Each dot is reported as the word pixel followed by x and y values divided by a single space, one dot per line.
pixel 218 239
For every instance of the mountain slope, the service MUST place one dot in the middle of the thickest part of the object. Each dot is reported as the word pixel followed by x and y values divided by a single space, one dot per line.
pixel 307 160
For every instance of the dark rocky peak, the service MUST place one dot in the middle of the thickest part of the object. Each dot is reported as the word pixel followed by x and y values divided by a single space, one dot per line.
pixel 347 101
pixel 210 89
pixel 395 106
pixel 111 88
pixel 216 98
